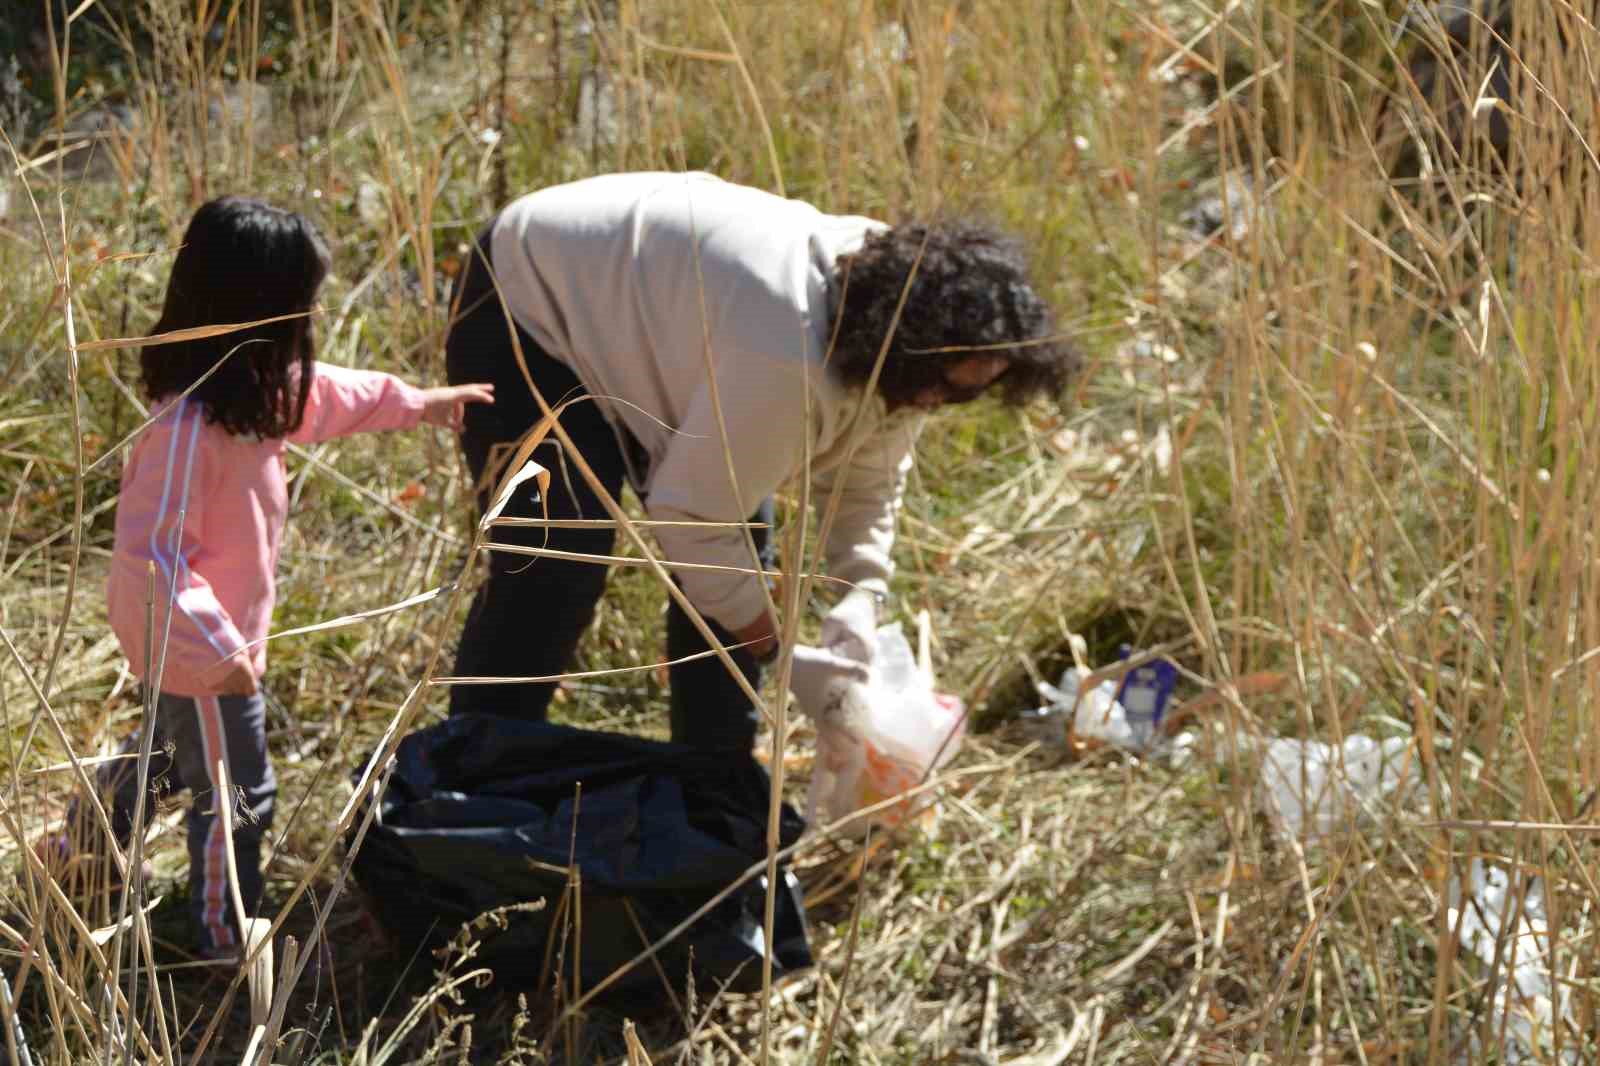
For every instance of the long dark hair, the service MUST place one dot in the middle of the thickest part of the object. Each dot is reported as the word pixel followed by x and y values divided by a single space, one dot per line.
pixel 971 296
pixel 241 261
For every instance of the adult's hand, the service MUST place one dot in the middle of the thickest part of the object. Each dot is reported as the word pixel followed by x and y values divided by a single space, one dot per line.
pixel 817 678
pixel 760 636
pixel 851 628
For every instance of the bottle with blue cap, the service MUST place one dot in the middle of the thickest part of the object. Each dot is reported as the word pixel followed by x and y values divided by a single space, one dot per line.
pixel 1144 694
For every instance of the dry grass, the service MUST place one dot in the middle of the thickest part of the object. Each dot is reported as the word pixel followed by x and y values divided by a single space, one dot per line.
pixel 1338 459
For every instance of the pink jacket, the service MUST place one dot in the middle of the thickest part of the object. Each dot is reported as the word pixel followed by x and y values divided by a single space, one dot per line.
pixel 208 509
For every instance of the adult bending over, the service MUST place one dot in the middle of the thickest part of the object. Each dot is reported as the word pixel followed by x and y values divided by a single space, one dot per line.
pixel 728 338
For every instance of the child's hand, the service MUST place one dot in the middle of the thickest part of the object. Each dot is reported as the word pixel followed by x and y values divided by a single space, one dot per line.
pixel 239 682
pixel 445 406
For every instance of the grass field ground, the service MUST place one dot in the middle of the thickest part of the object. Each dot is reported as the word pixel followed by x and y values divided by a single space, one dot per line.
pixel 1332 453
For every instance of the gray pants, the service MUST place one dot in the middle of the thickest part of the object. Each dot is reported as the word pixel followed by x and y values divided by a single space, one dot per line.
pixel 191 734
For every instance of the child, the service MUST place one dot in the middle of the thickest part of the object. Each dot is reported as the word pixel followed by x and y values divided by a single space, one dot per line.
pixel 204 498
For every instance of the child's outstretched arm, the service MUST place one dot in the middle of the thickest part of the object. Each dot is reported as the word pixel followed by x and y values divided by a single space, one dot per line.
pixel 446 406
pixel 343 401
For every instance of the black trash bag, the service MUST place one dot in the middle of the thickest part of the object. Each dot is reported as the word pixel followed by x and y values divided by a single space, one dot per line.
pixel 479 815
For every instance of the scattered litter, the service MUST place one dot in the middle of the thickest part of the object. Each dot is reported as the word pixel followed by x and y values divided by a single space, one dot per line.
pixel 882 738
pixel 1527 1006
pixel 1145 692
pixel 1127 715
pixel 1094 714
pixel 1310 789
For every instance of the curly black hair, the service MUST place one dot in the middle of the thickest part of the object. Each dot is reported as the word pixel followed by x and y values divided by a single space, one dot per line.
pixel 241 261
pixel 971 295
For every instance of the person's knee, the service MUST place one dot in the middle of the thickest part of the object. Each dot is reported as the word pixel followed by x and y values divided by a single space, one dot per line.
pixel 263 797
pixel 552 575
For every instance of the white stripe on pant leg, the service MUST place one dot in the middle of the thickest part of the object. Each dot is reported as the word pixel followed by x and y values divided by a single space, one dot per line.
pixel 214 874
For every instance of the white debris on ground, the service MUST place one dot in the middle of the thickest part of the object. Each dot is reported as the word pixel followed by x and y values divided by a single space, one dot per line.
pixel 1526 1002
pixel 1310 789
pixel 1096 714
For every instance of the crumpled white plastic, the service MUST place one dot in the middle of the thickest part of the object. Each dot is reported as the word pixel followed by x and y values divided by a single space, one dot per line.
pixel 1310 789
pixel 1527 1002
pixel 1099 715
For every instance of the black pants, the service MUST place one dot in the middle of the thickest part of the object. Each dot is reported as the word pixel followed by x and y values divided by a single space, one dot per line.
pixel 528 616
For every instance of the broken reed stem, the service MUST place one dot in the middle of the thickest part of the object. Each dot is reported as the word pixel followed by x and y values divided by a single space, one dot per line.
pixel 16 1042
pixel 255 950
pixel 75 551
pixel 133 887
pixel 575 893
pixel 845 969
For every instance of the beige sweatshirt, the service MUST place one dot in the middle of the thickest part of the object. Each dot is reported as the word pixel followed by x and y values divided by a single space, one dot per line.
pixel 671 295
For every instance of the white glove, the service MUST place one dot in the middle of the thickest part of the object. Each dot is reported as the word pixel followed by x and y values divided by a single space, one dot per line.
pixel 851 628
pixel 818 678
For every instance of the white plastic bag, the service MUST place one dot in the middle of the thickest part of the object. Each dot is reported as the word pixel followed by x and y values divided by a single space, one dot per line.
pixel 1310 788
pixel 882 738
pixel 1529 1005
pixel 1098 716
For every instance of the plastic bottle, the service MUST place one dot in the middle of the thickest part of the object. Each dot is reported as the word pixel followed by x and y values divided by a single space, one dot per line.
pixel 1127 715
pixel 1144 694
